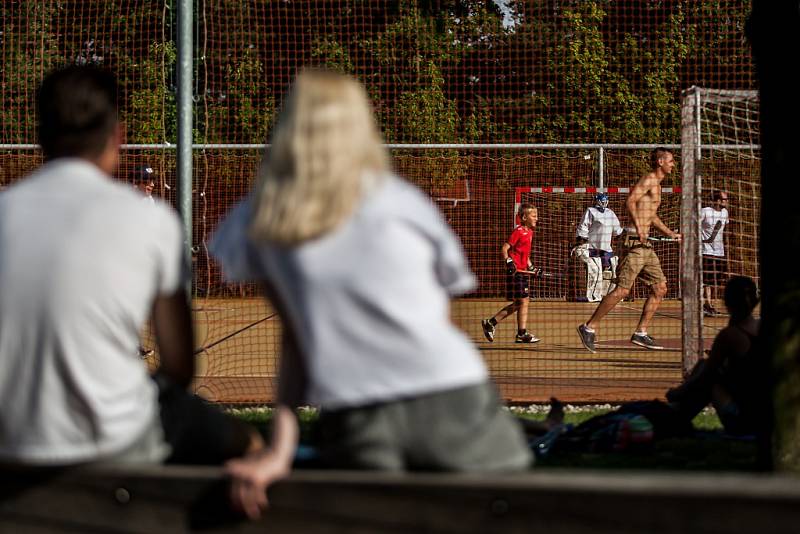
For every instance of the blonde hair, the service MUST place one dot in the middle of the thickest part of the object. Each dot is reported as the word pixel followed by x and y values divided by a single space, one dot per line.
pixel 525 208
pixel 324 146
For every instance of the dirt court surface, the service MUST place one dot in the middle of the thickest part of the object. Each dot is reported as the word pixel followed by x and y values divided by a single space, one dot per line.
pixel 238 342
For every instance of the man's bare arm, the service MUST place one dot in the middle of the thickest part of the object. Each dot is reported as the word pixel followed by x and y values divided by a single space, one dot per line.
pixel 664 229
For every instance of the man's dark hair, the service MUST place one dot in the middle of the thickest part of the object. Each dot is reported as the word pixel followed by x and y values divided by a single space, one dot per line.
pixel 143 174
pixel 77 111
pixel 656 155
pixel 716 195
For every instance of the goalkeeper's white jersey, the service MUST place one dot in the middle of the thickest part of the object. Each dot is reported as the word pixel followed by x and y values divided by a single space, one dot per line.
pixel 598 227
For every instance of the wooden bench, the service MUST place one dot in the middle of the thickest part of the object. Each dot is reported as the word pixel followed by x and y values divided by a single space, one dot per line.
pixel 186 499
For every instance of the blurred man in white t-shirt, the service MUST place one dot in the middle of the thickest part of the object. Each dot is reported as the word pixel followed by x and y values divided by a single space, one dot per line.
pixel 83 263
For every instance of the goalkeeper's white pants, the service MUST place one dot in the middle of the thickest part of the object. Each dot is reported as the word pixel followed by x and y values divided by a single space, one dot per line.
pixel 599 283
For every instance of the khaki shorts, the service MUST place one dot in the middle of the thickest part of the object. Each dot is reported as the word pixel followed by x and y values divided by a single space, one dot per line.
pixel 640 261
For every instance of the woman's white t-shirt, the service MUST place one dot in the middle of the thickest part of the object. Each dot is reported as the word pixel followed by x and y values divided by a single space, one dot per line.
pixel 370 301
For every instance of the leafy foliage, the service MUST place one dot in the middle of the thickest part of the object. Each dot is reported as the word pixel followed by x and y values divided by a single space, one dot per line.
pixel 446 71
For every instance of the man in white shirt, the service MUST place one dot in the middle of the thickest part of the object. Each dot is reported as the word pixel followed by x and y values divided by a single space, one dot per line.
pixel 593 246
pixel 75 290
pixel 713 220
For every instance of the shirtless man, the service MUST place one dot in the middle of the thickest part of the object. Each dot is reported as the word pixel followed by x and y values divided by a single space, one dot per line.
pixel 641 260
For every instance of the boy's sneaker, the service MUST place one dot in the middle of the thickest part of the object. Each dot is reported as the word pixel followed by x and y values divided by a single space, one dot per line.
pixel 488 329
pixel 643 340
pixel 527 337
pixel 709 311
pixel 587 338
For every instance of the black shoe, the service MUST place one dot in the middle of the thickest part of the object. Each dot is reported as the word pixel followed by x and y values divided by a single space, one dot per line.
pixel 144 353
pixel 526 337
pixel 488 329
pixel 709 311
pixel 587 338
pixel 643 340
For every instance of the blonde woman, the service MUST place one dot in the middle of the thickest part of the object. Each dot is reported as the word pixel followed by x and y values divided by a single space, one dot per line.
pixel 361 267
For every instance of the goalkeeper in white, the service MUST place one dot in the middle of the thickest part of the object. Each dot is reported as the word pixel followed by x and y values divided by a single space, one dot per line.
pixel 593 246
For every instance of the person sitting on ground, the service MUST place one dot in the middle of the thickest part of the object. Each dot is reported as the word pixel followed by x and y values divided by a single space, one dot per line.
pixel 75 290
pixel 360 266
pixel 727 378
pixel 731 379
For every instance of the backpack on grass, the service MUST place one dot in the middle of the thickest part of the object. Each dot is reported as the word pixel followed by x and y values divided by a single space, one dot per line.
pixel 634 426
pixel 611 432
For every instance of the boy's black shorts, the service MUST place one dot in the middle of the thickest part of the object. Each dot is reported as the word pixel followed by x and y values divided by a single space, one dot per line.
pixel 517 286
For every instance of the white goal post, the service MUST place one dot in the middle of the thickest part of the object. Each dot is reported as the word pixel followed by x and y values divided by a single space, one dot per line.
pixel 720 150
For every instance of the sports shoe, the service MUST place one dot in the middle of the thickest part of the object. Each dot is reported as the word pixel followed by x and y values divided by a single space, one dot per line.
pixel 144 353
pixel 488 329
pixel 643 340
pixel 527 337
pixel 587 338
pixel 709 311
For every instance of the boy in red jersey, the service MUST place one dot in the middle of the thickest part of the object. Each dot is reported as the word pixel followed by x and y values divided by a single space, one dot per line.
pixel 516 255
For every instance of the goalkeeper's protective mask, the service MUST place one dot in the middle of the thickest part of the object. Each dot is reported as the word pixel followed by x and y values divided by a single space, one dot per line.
pixel 601 201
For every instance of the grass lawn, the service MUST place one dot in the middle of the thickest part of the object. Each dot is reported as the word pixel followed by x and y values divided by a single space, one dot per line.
pixel 709 451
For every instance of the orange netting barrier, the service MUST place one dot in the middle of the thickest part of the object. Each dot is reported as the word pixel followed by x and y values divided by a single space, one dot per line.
pixel 579 71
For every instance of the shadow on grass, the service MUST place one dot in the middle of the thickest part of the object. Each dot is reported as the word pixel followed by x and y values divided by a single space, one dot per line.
pixel 703 453
pixel 709 450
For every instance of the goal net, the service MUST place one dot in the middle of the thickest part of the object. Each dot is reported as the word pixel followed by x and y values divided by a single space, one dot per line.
pixel 720 154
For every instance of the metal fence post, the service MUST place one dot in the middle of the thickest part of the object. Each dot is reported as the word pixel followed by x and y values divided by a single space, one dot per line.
pixel 184 105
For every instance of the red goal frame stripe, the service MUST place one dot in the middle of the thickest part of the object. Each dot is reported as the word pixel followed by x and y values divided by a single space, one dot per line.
pixel 518 191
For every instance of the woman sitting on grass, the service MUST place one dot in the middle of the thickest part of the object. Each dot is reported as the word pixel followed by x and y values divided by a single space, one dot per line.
pixel 729 377
pixel 360 267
